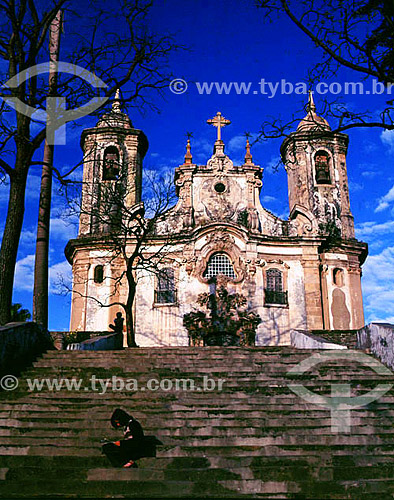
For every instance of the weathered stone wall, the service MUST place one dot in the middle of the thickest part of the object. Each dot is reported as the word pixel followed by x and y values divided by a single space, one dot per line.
pixel 20 345
pixel 305 340
pixel 378 338
pixel 111 342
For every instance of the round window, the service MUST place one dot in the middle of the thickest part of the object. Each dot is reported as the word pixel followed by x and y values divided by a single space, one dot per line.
pixel 220 187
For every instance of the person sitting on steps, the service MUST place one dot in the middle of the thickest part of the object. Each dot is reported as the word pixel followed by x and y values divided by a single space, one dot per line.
pixel 135 444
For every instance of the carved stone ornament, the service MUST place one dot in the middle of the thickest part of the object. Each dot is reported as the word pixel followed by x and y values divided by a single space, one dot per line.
pixel 278 262
pixel 220 163
pixel 216 206
pixel 189 259
pixel 304 221
pixel 324 269
pixel 220 241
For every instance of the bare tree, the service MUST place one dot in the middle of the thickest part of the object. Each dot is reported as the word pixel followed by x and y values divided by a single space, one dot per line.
pixel 136 238
pixel 353 34
pixel 113 42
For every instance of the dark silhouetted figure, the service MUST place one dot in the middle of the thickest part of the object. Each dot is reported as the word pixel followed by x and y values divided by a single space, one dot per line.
pixel 117 327
pixel 135 444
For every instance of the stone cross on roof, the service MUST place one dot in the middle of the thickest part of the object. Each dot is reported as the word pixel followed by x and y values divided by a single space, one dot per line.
pixel 219 121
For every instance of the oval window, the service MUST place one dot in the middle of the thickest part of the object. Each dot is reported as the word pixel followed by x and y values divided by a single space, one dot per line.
pixel 98 274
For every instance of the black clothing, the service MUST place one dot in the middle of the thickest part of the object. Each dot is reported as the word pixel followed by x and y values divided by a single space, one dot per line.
pixel 134 445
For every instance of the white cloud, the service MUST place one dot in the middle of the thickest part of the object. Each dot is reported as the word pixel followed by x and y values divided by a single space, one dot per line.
pixel 268 199
pixel 387 137
pixel 370 174
pixel 63 230
pixel 60 272
pixel 378 286
pixel 201 146
pixel 4 193
pixel 385 201
pixel 373 228
pixel 33 187
pixel 24 274
pixel 28 238
pixel 272 166
pixel 355 186
pixel 237 143
pixel 75 175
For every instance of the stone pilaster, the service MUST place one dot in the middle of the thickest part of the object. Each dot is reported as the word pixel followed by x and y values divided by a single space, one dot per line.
pixel 313 299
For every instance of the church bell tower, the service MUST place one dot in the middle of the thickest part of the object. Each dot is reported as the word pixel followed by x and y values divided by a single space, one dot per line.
pixel 315 160
pixel 113 154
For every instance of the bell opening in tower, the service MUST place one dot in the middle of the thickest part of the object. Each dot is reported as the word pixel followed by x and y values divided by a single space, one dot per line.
pixel 111 164
pixel 322 168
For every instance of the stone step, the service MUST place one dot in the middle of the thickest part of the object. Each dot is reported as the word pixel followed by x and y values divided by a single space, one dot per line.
pixel 192 351
pixel 227 441
pixel 176 385
pixel 188 418
pixel 209 452
pixel 186 472
pixel 119 484
pixel 245 369
pixel 182 431
pixel 173 407
pixel 260 364
pixel 280 422
pixel 257 462
pixel 41 405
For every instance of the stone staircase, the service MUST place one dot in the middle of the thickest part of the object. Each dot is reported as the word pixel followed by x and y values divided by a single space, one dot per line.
pixel 254 438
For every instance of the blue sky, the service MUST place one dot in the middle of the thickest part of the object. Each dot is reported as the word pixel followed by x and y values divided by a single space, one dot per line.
pixel 231 42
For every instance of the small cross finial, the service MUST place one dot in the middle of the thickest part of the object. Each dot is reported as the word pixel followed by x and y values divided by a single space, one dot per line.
pixel 116 103
pixel 188 155
pixel 219 121
pixel 248 154
pixel 311 104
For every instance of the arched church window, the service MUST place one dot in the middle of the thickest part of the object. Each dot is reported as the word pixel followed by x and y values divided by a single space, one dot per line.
pixel 322 168
pixel 219 263
pixel 337 276
pixel 274 293
pixel 111 164
pixel 99 274
pixel 165 292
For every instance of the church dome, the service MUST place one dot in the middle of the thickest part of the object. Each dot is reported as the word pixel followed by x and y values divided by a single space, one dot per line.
pixel 312 122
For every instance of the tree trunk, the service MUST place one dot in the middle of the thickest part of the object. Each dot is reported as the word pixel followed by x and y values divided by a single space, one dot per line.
pixel 11 236
pixel 129 314
pixel 41 266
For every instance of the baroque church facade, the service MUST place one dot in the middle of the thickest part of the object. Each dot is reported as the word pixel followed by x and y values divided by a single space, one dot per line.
pixel 303 273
